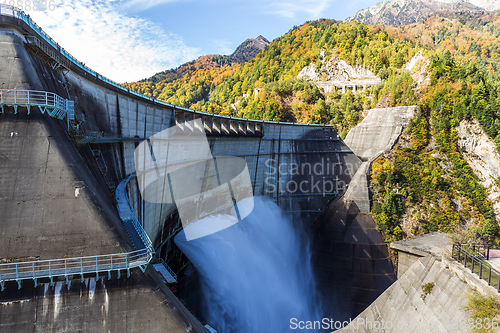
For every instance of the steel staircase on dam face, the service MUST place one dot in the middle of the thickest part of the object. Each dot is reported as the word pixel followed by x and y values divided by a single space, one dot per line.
pixel 134 229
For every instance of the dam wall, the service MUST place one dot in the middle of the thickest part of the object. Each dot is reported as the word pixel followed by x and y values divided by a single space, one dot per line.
pixel 55 203
pixel 59 179
pixel 104 114
pixel 404 306
pixel 41 170
pixel 134 304
pixel 347 232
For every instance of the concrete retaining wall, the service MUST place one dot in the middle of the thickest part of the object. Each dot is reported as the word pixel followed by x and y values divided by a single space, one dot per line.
pixel 407 308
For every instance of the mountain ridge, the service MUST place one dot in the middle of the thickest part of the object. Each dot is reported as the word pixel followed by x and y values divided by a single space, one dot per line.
pixel 246 51
pixel 403 12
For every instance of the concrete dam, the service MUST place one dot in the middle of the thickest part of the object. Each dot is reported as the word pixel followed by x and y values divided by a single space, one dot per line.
pixel 77 234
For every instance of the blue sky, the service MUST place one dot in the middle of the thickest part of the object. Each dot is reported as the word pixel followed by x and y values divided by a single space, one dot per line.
pixel 128 40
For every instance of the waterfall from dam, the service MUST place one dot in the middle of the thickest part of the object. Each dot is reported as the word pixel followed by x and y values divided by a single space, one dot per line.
pixel 256 275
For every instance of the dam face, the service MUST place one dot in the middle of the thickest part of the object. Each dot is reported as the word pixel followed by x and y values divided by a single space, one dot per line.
pixel 58 179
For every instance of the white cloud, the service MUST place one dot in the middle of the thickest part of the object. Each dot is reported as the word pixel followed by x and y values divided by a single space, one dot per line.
pixel 292 8
pixel 223 46
pixel 116 45
pixel 140 5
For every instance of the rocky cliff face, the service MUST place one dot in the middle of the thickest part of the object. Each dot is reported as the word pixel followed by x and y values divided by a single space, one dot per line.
pixel 249 49
pixel 417 66
pixel 401 12
pixel 480 152
pixel 336 71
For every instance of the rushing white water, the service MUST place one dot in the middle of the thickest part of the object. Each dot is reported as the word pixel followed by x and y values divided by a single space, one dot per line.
pixel 256 274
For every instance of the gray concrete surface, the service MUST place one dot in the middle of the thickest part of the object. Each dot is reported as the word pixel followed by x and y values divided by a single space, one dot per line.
pixel 137 304
pixel 408 309
pixel 376 134
pixel 438 244
pixel 40 169
pixel 423 260
pixel 362 267
pixel 354 256
pixel 412 249
pixel 378 131
pixel 41 218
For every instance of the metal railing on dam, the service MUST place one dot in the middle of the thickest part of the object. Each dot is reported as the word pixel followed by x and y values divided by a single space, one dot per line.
pixel 477 265
pixel 34 270
pixel 54 105
pixel 73 266
pixel 52 56
pixel 138 235
pixel 214 124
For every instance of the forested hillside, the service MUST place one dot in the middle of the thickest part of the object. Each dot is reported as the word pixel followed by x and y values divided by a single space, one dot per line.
pixel 211 86
pixel 474 36
pixel 424 184
pixel 435 188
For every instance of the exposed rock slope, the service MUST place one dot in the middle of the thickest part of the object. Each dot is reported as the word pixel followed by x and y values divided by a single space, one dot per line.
pixel 401 12
pixel 417 66
pixel 249 49
pixel 336 71
pixel 480 152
